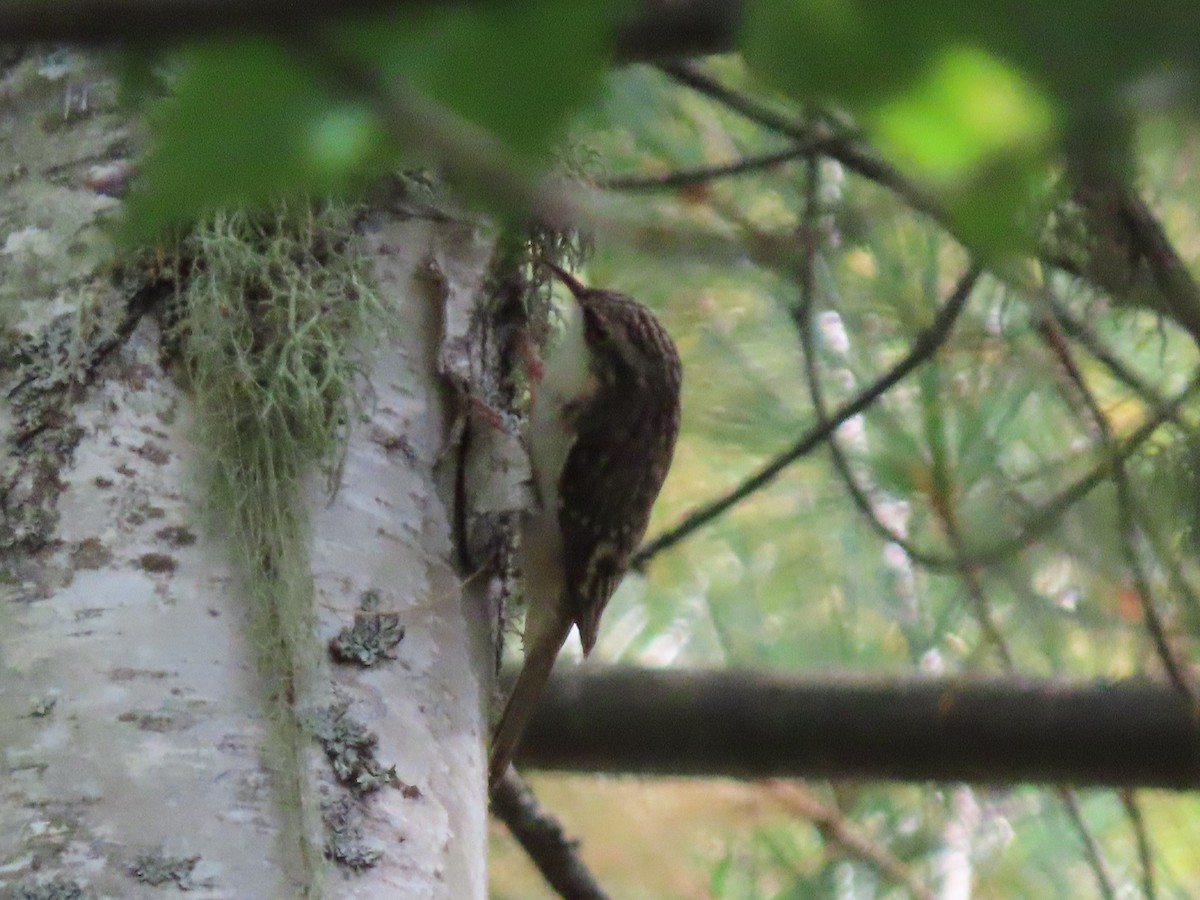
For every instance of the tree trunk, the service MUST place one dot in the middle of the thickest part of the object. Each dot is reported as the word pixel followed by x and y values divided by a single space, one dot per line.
pixel 154 730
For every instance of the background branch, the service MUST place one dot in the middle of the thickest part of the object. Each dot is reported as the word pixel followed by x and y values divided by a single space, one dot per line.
pixel 741 724
pixel 658 30
pixel 845 836
pixel 543 839
pixel 923 347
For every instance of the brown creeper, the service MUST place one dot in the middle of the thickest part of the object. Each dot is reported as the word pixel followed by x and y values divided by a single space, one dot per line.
pixel 602 431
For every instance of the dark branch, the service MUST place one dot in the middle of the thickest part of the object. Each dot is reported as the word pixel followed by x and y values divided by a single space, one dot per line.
pixel 922 349
pixel 756 725
pixel 543 839
pixel 1126 515
pixel 846 149
pixel 91 22
pixel 685 177
pixel 669 28
pixel 1083 335
pixel 659 30
pixel 1130 254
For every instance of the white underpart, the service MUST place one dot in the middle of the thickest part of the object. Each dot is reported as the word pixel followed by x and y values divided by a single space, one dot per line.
pixel 565 375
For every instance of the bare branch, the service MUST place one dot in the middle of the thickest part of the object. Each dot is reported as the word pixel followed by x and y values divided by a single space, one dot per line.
pixel 92 22
pixel 1083 335
pixel 846 149
pixel 684 177
pixel 543 839
pixel 1133 812
pixel 758 725
pixel 657 31
pixel 1126 517
pixel 845 836
pixel 926 344
pixel 1090 846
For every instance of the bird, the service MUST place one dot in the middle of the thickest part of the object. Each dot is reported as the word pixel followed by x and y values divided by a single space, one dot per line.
pixel 603 423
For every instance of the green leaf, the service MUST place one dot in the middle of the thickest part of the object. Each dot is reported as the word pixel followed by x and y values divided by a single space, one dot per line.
pixel 245 123
pixel 967 108
pixel 517 69
pixel 839 50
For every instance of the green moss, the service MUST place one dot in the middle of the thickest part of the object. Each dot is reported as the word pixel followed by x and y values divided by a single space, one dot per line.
pixel 272 320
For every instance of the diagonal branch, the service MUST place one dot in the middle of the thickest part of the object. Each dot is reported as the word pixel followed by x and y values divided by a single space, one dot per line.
pixel 926 344
pixel 543 839
pixel 1080 332
pixel 844 835
pixel 685 177
pixel 1126 517
pixel 1091 846
pixel 846 149
pixel 1133 812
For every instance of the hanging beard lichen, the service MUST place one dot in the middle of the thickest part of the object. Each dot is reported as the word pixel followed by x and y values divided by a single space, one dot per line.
pixel 272 320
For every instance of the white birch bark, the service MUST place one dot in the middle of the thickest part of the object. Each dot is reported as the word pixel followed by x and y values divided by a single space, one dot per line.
pixel 137 755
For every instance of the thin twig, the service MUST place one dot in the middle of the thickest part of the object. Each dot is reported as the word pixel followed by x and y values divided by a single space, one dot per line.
pixel 926 343
pixel 1126 517
pixel 843 835
pixel 1133 811
pixel 1083 335
pixel 1150 528
pixel 1090 846
pixel 969 572
pixel 1130 217
pixel 543 839
pixel 846 149
pixel 1038 523
pixel 945 508
pixel 967 569
pixel 684 177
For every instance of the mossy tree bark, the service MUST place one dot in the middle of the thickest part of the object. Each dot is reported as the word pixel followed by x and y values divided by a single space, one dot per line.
pixel 249 677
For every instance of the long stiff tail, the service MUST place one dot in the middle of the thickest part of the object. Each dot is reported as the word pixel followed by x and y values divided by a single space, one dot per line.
pixel 539 660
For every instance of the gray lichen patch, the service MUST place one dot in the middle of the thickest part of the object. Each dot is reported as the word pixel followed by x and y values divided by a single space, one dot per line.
pixel 372 639
pixel 158 721
pixel 41 707
pixel 57 889
pixel 344 841
pixel 155 869
pixel 43 376
pixel 350 748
